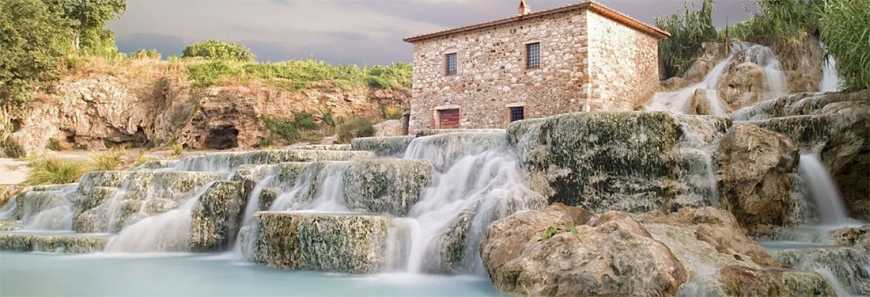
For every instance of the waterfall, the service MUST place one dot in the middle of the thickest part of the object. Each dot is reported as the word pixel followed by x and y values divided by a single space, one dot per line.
pixel 482 182
pixel 165 232
pixel 775 81
pixel 822 190
pixel 830 78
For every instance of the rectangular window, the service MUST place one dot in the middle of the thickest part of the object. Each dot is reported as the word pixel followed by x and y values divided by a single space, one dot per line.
pixel 451 64
pixel 448 119
pixel 517 113
pixel 533 55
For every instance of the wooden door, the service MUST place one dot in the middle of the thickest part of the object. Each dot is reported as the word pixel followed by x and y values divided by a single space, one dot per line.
pixel 449 119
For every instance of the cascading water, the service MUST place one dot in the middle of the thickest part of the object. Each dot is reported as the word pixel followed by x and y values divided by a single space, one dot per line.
pixel 830 78
pixel 165 232
pixel 482 180
pixel 775 82
pixel 822 191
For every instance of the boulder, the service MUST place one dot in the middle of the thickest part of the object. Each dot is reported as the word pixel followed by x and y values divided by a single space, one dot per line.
pixel 742 85
pixel 755 170
pixel 389 128
pixel 855 237
pixel 709 54
pixel 563 251
pixel 700 104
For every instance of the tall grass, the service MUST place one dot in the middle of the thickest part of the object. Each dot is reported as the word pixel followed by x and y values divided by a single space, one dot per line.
pixel 109 160
pixel 301 127
pixel 784 22
pixel 846 34
pixel 48 171
pixel 688 29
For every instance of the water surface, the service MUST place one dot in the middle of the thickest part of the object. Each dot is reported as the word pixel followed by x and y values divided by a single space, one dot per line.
pixel 41 274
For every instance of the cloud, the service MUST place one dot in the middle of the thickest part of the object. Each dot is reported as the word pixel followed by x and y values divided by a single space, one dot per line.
pixel 339 31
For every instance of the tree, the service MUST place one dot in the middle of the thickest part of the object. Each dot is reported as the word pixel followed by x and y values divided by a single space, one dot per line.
pixel 87 18
pixel 33 38
pixel 217 50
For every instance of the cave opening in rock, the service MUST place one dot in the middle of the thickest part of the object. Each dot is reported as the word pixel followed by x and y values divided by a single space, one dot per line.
pixel 223 138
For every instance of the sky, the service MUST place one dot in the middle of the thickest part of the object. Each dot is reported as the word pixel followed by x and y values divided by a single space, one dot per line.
pixel 362 32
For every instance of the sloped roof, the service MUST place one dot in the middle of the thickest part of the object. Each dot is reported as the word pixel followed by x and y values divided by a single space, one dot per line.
pixel 590 5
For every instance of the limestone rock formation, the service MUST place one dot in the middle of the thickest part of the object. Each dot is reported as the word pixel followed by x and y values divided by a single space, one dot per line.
pixel 742 85
pixel 850 266
pixel 708 56
pixel 383 146
pixel 855 237
pixel 692 252
pixel 73 244
pixel 389 128
pixel 834 126
pixel 700 103
pixel 217 217
pixel 627 161
pixel 755 172
pixel 149 108
pixel 612 255
pixel 321 242
pixel 385 186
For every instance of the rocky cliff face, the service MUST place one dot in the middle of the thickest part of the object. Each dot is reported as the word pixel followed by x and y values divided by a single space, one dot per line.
pixel 104 109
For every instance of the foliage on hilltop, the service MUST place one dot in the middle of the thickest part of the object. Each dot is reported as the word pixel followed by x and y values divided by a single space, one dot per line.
pixel 840 24
pixel 218 50
pixel 689 28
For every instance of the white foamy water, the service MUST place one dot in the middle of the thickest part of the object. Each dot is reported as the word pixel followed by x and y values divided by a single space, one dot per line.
pixel 823 191
pixel 830 78
pixel 486 185
pixel 775 81
pixel 165 232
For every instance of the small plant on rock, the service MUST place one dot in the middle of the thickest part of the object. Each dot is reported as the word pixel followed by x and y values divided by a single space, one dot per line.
pixel 177 149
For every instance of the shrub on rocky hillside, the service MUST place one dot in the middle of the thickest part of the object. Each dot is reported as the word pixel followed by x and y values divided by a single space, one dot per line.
pixel 49 171
pixel 846 33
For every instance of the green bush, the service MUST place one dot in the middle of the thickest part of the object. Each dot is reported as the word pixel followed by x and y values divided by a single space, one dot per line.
pixel 54 145
pixel 302 127
pixel 784 22
pixel 304 121
pixel 846 33
pixel 109 160
pixel 299 74
pixel 56 171
pixel 11 149
pixel 688 29
pixel 220 51
pixel 354 128
pixel 393 113
pixel 145 54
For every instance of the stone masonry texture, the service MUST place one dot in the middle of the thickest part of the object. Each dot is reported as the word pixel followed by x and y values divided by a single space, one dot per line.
pixel 588 62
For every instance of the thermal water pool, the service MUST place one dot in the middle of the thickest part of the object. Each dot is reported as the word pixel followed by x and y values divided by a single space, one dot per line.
pixel 42 274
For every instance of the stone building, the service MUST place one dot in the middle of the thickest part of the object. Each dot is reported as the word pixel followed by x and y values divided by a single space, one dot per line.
pixel 581 57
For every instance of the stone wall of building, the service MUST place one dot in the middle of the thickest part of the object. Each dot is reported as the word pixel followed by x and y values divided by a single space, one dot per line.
pixel 624 65
pixel 492 74
pixel 609 69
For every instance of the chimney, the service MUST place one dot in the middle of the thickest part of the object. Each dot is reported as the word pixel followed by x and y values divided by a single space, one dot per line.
pixel 524 8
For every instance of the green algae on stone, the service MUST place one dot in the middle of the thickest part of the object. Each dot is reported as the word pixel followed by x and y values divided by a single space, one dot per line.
pixel 323 147
pixel 157 164
pixel 603 160
pixel 389 186
pixel 217 217
pixel 321 242
pixel 342 243
pixel 65 243
pixel 383 146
